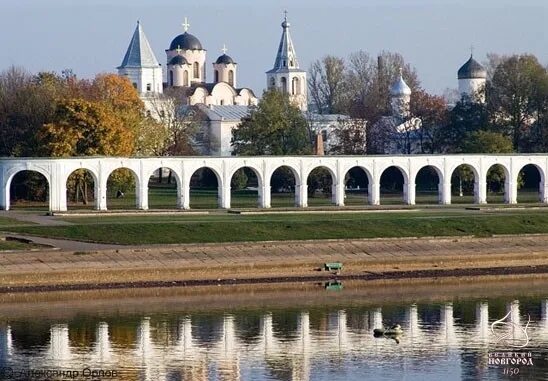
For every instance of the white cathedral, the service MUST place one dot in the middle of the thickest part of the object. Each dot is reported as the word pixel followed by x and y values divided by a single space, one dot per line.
pixel 221 102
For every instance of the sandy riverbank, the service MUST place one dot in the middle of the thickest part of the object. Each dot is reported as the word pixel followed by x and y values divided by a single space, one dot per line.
pixel 272 262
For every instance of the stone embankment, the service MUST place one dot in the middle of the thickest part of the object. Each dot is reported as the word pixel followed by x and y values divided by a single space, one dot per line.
pixel 269 262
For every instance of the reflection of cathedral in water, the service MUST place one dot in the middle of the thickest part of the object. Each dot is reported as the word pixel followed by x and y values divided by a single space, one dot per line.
pixel 185 351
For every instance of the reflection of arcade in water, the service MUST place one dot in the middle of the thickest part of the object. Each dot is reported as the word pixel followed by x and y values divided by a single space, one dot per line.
pixel 193 350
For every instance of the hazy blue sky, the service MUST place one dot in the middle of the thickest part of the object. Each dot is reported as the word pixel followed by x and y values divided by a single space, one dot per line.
pixel 91 36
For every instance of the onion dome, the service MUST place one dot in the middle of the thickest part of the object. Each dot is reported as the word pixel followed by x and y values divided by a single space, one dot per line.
pixel 178 60
pixel 399 87
pixel 185 41
pixel 472 69
pixel 225 59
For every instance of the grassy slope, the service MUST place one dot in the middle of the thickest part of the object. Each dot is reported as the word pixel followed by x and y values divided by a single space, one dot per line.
pixel 227 228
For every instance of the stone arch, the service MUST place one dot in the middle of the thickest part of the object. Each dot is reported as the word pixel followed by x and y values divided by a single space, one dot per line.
pixel 389 183
pixel 119 191
pixel 321 182
pixel 202 195
pixel 247 171
pixel 185 78
pixel 530 183
pixel 465 184
pixel 282 184
pixel 163 191
pixel 216 75
pixel 13 172
pixel 78 188
pixel 498 183
pixel 425 187
pixel 196 70
pixel 355 186
pixel 231 77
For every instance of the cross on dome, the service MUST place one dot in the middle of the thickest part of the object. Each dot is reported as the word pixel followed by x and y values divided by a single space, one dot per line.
pixel 224 49
pixel 185 25
pixel 471 50
pixel 285 15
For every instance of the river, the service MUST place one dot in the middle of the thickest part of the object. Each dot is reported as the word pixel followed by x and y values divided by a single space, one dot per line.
pixel 259 334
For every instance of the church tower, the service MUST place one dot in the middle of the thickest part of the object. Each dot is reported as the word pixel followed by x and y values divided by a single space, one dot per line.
pixel 185 60
pixel 400 98
pixel 472 77
pixel 224 69
pixel 140 65
pixel 286 75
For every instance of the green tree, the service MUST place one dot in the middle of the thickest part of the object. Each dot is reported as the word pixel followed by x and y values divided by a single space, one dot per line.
pixel 349 137
pixel 274 127
pixel 517 97
pixel 487 142
pixel 464 119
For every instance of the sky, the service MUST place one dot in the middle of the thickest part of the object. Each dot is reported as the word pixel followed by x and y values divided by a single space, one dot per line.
pixel 434 36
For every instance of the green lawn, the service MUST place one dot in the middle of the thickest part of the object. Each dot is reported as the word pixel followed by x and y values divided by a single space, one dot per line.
pixel 295 226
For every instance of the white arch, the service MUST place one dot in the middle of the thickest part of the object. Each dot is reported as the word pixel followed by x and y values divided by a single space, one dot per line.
pixel 543 194
pixel 479 186
pixel 295 172
pixel 141 197
pixel 261 183
pixel 441 179
pixel 175 174
pixel 221 191
pixel 335 181
pixel 406 184
pixel 95 177
pixel 369 176
pixel 19 168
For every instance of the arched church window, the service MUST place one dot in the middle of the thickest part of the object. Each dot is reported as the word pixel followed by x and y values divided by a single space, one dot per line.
pixel 291 63
pixel 272 82
pixel 284 64
pixel 295 86
pixel 216 76
pixel 231 77
pixel 185 78
pixel 171 78
pixel 284 85
pixel 196 70
pixel 149 87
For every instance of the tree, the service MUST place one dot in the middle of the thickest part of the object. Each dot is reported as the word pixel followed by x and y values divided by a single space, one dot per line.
pixel 433 114
pixel 464 119
pixel 26 103
pixel 327 85
pixel 517 97
pixel 349 137
pixel 487 142
pixel 274 127
pixel 86 128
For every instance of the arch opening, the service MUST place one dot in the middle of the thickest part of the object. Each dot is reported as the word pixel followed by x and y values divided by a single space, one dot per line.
pixel 428 186
pixel 122 188
pixel 81 190
pixel 463 188
pixel 282 187
pixel 356 186
pixel 204 189
pixel 497 184
pixel 392 186
pixel 29 189
pixel 320 182
pixel 244 188
pixel 530 184
pixel 163 189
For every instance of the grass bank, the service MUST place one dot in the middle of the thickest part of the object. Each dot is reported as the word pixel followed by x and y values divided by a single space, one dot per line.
pixel 296 226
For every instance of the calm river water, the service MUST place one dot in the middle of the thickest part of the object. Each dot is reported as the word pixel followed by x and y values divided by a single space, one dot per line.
pixel 444 338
